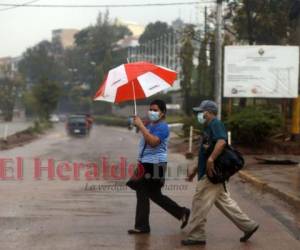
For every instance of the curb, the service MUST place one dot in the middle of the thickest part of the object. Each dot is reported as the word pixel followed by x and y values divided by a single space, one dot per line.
pixel 265 187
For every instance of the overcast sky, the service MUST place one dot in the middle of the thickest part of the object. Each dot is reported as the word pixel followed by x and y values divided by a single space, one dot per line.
pixel 21 28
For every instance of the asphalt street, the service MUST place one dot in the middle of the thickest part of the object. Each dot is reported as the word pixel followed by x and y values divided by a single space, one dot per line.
pixel 71 210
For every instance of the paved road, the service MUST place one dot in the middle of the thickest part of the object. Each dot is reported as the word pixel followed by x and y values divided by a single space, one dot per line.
pixel 80 214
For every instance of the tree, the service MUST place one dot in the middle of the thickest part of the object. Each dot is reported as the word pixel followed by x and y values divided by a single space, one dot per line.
pixel 46 95
pixel 204 85
pixel 186 56
pixel 155 30
pixel 39 62
pixel 259 21
pixel 9 90
pixel 85 64
pixel 94 53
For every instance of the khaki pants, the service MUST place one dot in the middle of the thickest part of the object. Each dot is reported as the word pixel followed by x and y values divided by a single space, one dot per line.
pixel 208 194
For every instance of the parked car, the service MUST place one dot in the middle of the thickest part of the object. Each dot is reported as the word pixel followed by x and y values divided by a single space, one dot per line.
pixel 77 125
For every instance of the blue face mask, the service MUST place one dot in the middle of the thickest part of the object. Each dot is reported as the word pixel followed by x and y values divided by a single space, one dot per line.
pixel 200 117
pixel 153 116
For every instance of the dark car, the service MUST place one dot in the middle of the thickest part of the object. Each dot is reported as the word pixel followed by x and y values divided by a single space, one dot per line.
pixel 77 125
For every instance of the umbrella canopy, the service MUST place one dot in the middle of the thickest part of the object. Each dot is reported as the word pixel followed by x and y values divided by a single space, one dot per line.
pixel 134 81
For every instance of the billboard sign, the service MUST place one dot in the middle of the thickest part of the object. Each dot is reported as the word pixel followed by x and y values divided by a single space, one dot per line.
pixel 261 71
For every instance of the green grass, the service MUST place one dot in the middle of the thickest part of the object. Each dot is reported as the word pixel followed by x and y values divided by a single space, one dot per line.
pixel 123 122
pixel 111 120
pixel 174 119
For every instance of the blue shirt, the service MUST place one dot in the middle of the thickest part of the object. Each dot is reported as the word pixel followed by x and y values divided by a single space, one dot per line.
pixel 159 153
pixel 213 132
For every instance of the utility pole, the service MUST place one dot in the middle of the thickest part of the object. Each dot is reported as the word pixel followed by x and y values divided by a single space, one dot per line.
pixel 174 51
pixel 153 51
pixel 205 22
pixel 166 49
pixel 129 53
pixel 295 16
pixel 162 49
pixel 218 66
pixel 169 49
pixel 157 51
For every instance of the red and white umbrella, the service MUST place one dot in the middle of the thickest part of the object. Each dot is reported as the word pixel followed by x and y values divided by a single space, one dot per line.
pixel 134 81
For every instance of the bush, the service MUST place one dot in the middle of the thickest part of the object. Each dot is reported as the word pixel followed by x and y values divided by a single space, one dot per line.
pixel 111 120
pixel 174 119
pixel 254 124
pixel 191 121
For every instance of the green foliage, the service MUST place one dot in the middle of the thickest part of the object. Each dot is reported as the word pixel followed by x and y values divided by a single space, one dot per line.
pixel 204 84
pixel 111 120
pixel 155 30
pixel 29 103
pixel 85 64
pixel 39 62
pixel 174 119
pixel 96 43
pixel 186 56
pixel 39 127
pixel 254 125
pixel 191 121
pixel 259 21
pixel 102 108
pixel 80 99
pixel 9 90
pixel 46 95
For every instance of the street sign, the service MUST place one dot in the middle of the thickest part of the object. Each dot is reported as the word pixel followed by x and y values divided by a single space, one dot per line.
pixel 261 71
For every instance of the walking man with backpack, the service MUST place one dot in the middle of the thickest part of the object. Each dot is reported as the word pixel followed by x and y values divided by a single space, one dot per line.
pixel 207 194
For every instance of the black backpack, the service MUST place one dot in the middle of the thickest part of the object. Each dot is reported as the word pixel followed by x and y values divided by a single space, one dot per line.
pixel 229 162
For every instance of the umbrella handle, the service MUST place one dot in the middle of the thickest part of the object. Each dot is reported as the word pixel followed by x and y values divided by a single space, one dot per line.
pixel 133 91
pixel 134 98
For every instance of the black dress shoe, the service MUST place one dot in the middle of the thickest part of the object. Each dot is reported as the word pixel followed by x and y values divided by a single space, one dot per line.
pixel 185 218
pixel 138 231
pixel 248 234
pixel 193 242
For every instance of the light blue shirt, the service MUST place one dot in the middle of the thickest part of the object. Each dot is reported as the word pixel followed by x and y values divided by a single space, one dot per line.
pixel 159 153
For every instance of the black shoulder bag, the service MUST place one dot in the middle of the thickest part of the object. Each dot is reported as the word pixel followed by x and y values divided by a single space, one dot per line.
pixel 229 162
pixel 137 179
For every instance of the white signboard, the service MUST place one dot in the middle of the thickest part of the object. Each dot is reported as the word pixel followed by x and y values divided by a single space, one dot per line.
pixel 261 71
pixel 173 106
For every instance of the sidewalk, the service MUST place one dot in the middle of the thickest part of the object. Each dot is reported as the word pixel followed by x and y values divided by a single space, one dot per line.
pixel 280 180
pixel 10 128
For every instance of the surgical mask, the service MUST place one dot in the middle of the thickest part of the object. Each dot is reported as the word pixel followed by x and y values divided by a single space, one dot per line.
pixel 153 115
pixel 201 118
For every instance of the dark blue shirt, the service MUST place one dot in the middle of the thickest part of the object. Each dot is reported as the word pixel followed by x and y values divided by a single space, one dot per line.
pixel 213 132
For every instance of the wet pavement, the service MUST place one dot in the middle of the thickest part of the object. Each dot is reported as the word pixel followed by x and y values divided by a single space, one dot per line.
pixel 283 180
pixel 81 214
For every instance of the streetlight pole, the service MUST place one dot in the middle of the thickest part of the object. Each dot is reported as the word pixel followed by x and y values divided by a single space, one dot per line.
pixel 294 15
pixel 218 59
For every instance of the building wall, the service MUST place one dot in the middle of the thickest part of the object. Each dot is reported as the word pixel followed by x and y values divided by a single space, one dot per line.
pixel 5 66
pixel 65 36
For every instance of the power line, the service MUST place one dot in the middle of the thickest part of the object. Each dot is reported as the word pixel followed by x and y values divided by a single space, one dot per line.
pixel 20 5
pixel 104 5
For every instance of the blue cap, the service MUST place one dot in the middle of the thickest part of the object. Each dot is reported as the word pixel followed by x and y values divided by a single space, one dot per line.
pixel 207 105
